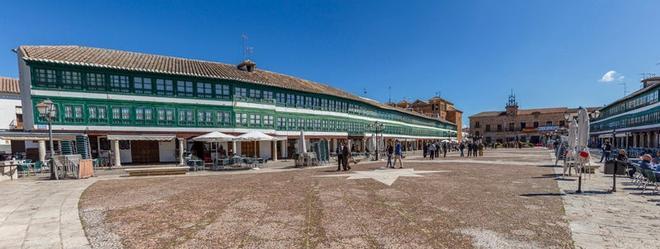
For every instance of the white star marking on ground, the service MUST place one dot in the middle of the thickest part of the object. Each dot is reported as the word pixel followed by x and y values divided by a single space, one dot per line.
pixel 386 176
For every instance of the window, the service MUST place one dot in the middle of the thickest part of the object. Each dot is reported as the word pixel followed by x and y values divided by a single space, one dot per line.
pixel 536 124
pixel 281 122
pixel 119 83
pixel 223 118
pixel 186 117
pixel 487 127
pixel 268 95
pixel 164 87
pixel 548 123
pixel 96 81
pixel 165 116
pixel 299 101
pixel 241 118
pixel 255 119
pixel 121 115
pixel 290 100
pixel 477 125
pixel 562 123
pixel 143 114
pixel 221 91
pixel 46 77
pixel 142 85
pixel 268 120
pixel 204 117
pixel 204 90
pixel 240 92
pixel 308 101
pixel 97 113
pixel 125 113
pixel 255 94
pixel 71 80
pixel 184 88
pixel 280 98
pixel 499 127
pixel 511 126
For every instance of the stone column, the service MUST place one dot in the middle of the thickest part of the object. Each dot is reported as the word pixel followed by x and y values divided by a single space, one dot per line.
pixel 274 151
pixel 115 148
pixel 182 146
pixel 42 150
pixel 233 148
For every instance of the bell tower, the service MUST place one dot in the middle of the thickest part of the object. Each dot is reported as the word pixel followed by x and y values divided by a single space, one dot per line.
pixel 512 105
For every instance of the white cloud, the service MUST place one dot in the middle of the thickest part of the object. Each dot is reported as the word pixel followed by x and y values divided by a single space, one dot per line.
pixel 611 76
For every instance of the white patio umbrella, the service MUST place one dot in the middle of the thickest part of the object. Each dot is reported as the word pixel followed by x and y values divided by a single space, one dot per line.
pixel 215 137
pixel 583 129
pixel 301 142
pixel 572 134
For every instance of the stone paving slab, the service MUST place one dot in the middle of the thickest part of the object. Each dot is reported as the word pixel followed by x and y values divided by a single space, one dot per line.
pixel 41 214
pixel 598 219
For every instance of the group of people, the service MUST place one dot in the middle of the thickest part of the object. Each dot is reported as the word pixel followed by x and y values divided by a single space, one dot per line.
pixel 394 152
pixel 433 150
pixel 474 149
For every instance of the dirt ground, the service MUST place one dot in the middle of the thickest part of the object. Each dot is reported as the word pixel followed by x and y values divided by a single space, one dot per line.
pixel 473 205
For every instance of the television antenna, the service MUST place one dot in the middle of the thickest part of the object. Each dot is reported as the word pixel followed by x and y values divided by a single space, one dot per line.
pixel 389 94
pixel 247 50
pixel 625 88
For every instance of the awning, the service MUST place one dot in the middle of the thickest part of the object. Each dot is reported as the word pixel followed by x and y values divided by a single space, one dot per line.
pixel 162 138
pixel 35 136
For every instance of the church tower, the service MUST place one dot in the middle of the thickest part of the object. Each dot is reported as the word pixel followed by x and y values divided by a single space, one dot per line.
pixel 512 105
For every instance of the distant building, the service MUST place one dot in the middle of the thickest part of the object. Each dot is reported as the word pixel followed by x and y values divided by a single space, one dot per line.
pixel 10 100
pixel 635 118
pixel 435 107
pixel 515 124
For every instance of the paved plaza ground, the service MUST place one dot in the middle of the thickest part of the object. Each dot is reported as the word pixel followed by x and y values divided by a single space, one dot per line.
pixel 507 199
pixel 441 204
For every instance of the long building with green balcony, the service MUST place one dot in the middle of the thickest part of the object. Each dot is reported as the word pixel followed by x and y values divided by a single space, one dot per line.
pixel 632 121
pixel 146 103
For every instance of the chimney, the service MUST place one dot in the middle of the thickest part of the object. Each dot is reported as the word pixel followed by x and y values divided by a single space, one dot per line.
pixel 247 65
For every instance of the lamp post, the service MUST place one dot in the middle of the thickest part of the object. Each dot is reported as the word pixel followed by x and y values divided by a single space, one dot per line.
pixel 377 128
pixel 47 111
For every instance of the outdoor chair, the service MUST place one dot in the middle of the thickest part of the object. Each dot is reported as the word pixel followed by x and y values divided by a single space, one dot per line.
pixel 650 180
pixel 38 167
pixel 24 169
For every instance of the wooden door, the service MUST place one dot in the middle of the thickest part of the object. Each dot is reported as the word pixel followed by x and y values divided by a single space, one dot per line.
pixel 145 151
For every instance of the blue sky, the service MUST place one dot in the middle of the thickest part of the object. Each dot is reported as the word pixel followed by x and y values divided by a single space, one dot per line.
pixel 551 53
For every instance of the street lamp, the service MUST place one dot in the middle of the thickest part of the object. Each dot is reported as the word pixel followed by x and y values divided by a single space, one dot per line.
pixel 377 128
pixel 47 111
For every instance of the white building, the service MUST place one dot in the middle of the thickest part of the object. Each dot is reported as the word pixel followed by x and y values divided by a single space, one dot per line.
pixel 9 101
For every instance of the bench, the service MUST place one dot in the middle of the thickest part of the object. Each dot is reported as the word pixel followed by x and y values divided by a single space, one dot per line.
pixel 157 171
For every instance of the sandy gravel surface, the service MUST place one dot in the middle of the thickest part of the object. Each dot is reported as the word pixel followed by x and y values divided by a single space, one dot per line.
pixel 471 206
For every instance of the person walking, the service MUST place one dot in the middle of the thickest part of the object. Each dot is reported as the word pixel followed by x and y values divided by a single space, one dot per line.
pixel 390 152
pixel 469 148
pixel 398 154
pixel 475 148
pixel 461 147
pixel 425 149
pixel 431 151
pixel 347 154
pixel 445 147
pixel 606 151
pixel 340 156
pixel 481 149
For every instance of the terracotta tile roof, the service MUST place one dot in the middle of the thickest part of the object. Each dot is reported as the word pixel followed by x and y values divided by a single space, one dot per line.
pixel 9 85
pixel 133 61
pixel 532 111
